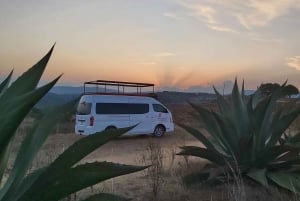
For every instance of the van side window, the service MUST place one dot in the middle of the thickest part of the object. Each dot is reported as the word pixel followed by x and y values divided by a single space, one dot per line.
pixel 121 108
pixel 84 108
pixel 159 108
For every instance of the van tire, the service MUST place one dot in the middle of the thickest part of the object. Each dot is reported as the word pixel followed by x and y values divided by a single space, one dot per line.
pixel 159 131
pixel 111 128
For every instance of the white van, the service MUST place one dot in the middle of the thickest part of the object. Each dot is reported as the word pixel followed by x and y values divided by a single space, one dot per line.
pixel 96 112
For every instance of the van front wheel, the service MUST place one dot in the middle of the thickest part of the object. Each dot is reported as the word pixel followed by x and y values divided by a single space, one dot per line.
pixel 159 131
pixel 110 128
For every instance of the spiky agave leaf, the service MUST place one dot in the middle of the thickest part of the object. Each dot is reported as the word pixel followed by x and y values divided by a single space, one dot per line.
pixel 212 126
pixel 210 155
pixel 259 175
pixel 31 144
pixel 15 110
pixel 198 135
pixel 80 177
pixel 17 100
pixel 5 83
pixel 278 93
pixel 287 180
pixel 4 156
pixel 280 124
pixel 29 80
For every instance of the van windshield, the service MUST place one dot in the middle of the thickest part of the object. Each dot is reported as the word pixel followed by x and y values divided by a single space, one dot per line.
pixel 84 108
pixel 159 108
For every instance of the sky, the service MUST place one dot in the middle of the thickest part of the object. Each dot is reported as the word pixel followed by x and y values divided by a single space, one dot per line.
pixel 185 45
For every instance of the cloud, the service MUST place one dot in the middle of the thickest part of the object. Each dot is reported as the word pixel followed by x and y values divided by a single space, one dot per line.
pixel 293 62
pixel 208 15
pixel 171 15
pixel 165 54
pixel 235 15
pixel 259 13
pixel 221 28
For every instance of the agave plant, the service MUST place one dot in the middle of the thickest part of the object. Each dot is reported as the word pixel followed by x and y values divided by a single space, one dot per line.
pixel 245 138
pixel 63 176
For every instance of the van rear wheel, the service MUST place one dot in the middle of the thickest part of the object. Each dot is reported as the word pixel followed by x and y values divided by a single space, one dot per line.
pixel 159 131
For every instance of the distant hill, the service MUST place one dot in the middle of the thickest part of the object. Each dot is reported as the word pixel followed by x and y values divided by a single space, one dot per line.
pixel 181 97
pixel 52 99
pixel 62 94
pixel 66 90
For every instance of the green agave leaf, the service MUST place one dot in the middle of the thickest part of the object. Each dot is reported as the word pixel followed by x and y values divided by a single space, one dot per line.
pixel 5 83
pixel 289 181
pixel 28 80
pixel 16 110
pixel 243 156
pixel 257 116
pixel 278 93
pixel 259 175
pixel 256 98
pixel 239 111
pixel 224 106
pixel 212 126
pixel 80 177
pixel 105 197
pixel 68 158
pixel 292 154
pixel 27 182
pixel 212 156
pixel 30 146
pixel 198 135
pixel 271 154
pixel 294 139
pixel 258 113
pixel 243 90
pixel 228 131
pixel 288 165
pixel 4 156
pixel 280 125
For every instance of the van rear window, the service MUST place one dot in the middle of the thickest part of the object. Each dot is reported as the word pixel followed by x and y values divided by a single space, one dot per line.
pixel 122 108
pixel 84 108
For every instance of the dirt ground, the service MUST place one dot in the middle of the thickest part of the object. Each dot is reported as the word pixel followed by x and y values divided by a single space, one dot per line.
pixel 140 186
pixel 134 151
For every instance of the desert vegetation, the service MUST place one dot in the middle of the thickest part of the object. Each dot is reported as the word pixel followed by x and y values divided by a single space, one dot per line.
pixel 247 139
pixel 226 148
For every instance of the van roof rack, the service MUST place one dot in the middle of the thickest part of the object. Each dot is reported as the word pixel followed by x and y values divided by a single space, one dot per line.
pixel 121 88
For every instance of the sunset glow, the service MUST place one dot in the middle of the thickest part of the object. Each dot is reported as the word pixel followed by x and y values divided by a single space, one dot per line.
pixel 179 44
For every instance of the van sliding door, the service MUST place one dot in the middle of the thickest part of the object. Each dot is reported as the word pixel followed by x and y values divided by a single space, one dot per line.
pixel 140 116
pixel 112 114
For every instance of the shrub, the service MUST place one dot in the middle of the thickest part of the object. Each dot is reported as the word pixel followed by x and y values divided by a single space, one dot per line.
pixel 245 136
pixel 62 177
